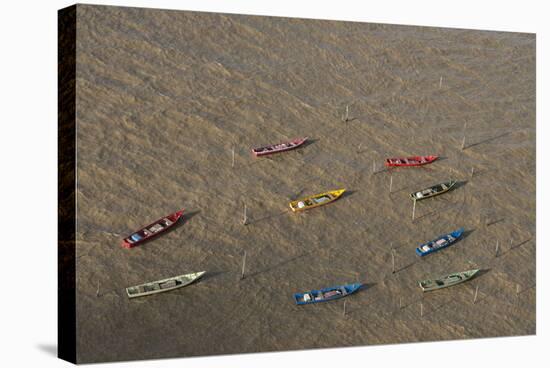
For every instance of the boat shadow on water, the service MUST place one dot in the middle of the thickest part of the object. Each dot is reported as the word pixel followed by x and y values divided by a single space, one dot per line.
pixel 438 210
pixel 307 143
pixel 277 265
pixel 268 217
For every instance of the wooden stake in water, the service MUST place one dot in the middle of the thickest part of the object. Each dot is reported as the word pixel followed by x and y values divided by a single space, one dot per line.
pixel 475 295
pixel 472 173
pixel 233 157
pixel 463 142
pixel 244 263
pixel 392 261
pixel 421 310
pixel 245 218
pixel 391 180
pixel 97 291
pixel 496 249
pixel 373 166
pixel 400 303
pixel 346 119
pixel 344 308
pixel 414 208
pixel 440 81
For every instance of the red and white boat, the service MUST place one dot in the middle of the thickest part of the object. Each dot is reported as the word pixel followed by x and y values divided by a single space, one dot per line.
pixel 281 147
pixel 410 161
pixel 151 230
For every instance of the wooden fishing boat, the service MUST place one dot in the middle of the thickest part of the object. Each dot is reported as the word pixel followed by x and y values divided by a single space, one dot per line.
pixel 161 286
pixel 432 191
pixel 446 281
pixel 316 200
pixel 280 147
pixel 441 242
pixel 151 230
pixel 410 161
pixel 324 295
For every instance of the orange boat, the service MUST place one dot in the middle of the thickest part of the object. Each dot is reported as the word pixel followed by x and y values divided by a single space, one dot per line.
pixel 410 161
pixel 151 230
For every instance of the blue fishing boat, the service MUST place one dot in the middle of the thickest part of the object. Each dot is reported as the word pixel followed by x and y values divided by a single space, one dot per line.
pixel 441 242
pixel 326 294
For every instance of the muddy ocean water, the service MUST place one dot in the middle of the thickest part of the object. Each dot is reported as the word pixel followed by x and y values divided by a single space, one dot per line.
pixel 164 97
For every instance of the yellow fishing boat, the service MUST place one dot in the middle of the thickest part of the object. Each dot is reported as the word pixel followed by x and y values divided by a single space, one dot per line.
pixel 315 200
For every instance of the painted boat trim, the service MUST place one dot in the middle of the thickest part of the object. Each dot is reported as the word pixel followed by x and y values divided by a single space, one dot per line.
pixel 282 147
pixel 295 205
pixel 300 299
pixel 130 242
pixel 465 276
pixel 391 162
pixel 190 278
pixel 449 185
pixel 456 235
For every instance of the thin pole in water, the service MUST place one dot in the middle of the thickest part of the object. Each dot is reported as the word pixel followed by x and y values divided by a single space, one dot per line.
pixel 392 261
pixel 475 295
pixel 414 208
pixel 472 173
pixel 244 263
pixel 421 310
pixel 496 249
pixel 463 142
pixel 97 291
pixel 391 180
pixel 344 307
pixel 400 303
pixel 245 218
pixel 373 166
pixel 440 81
pixel 346 119
pixel 233 157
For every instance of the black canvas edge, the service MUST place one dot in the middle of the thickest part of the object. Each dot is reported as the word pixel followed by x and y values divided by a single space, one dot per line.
pixel 66 165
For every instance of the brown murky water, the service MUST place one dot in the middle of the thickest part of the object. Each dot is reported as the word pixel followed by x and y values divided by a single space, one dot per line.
pixel 164 96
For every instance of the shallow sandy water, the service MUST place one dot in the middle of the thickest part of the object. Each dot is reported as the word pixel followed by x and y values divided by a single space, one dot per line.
pixel 162 99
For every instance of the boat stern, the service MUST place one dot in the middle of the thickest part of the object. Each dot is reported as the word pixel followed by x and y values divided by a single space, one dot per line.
pixel 338 193
pixel 126 244
pixel 420 253
pixel 458 233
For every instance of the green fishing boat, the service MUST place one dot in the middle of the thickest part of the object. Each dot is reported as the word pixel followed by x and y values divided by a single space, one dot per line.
pixel 448 280
pixel 160 286
pixel 433 190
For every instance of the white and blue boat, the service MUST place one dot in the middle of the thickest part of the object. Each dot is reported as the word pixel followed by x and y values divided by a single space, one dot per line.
pixel 441 242
pixel 326 294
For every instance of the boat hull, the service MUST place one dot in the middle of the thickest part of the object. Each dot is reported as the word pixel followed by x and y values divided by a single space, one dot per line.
pixel 447 280
pixel 410 161
pixel 439 243
pixel 316 200
pixel 152 230
pixel 326 294
pixel 432 191
pixel 277 148
pixel 162 286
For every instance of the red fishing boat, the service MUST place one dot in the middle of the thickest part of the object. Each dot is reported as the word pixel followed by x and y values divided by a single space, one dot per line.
pixel 410 161
pixel 281 147
pixel 151 230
